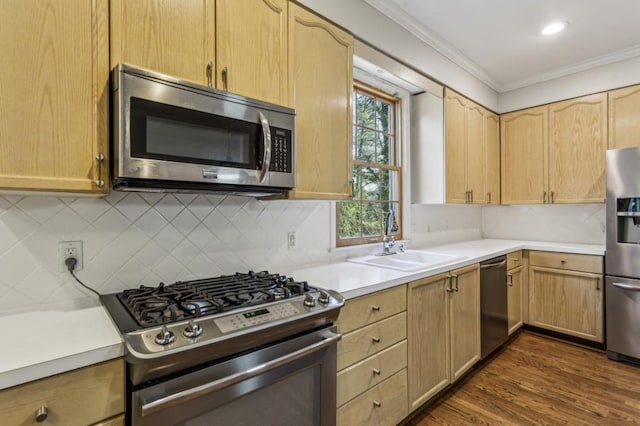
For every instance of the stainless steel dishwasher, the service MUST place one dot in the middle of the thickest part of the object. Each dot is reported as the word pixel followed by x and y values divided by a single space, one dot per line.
pixel 493 304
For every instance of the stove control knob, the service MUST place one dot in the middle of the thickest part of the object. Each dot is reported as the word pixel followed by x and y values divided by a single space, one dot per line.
pixel 165 337
pixel 309 301
pixel 324 297
pixel 192 330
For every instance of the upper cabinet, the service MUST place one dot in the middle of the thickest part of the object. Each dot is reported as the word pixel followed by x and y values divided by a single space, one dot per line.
pixel 239 46
pixel 523 137
pixel 624 117
pixel 472 152
pixel 320 85
pixel 174 37
pixel 555 153
pixel 577 145
pixel 251 48
pixel 54 95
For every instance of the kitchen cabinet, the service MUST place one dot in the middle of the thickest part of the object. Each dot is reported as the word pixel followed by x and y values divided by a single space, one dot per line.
pixel 443 323
pixel 372 359
pixel 55 95
pixel 174 37
pixel 471 151
pixel 565 294
pixel 251 48
pixel 84 396
pixel 624 117
pixel 515 293
pixel 577 145
pixel 234 45
pixel 555 153
pixel 320 85
pixel 523 138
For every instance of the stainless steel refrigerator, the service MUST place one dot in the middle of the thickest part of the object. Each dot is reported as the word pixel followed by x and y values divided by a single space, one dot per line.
pixel 622 261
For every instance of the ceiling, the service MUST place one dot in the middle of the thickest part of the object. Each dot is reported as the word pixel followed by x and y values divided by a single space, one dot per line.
pixel 499 41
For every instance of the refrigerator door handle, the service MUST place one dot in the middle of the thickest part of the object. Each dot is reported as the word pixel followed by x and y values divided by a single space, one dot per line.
pixel 630 287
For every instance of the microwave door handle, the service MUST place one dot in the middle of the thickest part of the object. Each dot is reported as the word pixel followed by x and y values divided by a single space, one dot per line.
pixel 266 159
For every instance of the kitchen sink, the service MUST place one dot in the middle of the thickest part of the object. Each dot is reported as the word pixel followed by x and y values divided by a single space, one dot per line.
pixel 408 261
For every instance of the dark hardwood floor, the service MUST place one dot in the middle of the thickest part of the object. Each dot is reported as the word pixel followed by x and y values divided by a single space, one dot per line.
pixel 536 380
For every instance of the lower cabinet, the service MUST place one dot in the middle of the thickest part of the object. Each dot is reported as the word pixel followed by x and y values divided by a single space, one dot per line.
pixel 566 294
pixel 372 360
pixel 516 275
pixel 85 396
pixel 443 323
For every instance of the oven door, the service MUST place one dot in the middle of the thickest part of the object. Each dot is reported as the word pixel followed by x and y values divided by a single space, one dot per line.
pixel 288 383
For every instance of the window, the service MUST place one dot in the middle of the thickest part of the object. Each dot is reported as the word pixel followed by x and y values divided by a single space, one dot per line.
pixel 376 169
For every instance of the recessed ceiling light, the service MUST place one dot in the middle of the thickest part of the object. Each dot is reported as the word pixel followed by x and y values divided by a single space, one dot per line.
pixel 554 27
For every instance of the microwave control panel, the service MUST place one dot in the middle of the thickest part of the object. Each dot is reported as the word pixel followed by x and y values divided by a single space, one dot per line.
pixel 280 150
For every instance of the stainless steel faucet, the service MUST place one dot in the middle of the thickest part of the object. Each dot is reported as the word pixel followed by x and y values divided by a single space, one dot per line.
pixel 390 226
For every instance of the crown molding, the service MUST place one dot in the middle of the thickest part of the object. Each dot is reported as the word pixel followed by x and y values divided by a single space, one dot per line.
pixel 447 50
pixel 588 64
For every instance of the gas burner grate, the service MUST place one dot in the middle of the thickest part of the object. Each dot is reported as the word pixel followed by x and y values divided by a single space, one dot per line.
pixel 191 299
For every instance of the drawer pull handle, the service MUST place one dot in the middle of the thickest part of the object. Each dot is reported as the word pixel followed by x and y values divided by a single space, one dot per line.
pixel 375 308
pixel 376 371
pixel 41 414
pixel 377 404
pixel 375 339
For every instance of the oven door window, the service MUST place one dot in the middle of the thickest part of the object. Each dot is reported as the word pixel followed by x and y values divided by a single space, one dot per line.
pixel 170 133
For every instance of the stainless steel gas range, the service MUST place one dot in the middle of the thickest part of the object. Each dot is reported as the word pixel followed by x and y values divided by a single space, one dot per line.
pixel 243 349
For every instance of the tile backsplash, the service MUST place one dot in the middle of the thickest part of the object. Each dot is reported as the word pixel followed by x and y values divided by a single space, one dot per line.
pixel 577 223
pixel 133 239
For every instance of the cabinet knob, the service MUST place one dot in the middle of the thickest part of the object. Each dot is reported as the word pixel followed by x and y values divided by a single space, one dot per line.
pixel 375 308
pixel 375 339
pixel 376 371
pixel 377 404
pixel 41 414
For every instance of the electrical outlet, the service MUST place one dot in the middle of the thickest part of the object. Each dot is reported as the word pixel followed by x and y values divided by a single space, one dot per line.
pixel 291 240
pixel 67 249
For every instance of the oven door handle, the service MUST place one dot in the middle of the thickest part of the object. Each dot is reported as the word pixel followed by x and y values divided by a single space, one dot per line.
pixel 266 158
pixel 216 385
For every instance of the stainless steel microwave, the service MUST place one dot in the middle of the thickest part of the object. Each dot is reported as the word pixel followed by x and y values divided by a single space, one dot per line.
pixel 170 135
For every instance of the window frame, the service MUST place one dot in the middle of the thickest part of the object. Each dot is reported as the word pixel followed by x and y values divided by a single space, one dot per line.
pixel 396 166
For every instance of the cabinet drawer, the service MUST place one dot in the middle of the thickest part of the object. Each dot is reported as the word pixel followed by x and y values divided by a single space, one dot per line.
pixel 571 262
pixel 383 405
pixel 514 259
pixel 368 309
pixel 79 397
pixel 369 340
pixel 358 378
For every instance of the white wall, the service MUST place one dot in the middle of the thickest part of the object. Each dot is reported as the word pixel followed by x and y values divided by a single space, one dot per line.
pixel 433 225
pixel 371 26
pixel 577 223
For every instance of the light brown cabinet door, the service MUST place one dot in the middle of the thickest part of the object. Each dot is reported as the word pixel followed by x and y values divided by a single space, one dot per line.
pixel 568 302
pixel 476 166
pixel 464 319
pixel 456 147
pixel 514 299
pixel 523 137
pixel 577 145
pixel 54 95
pixel 320 85
pixel 624 117
pixel 174 37
pixel 492 158
pixel 251 48
pixel 428 338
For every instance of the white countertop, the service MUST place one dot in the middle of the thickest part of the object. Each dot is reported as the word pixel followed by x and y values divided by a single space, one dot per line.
pixel 353 279
pixel 51 340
